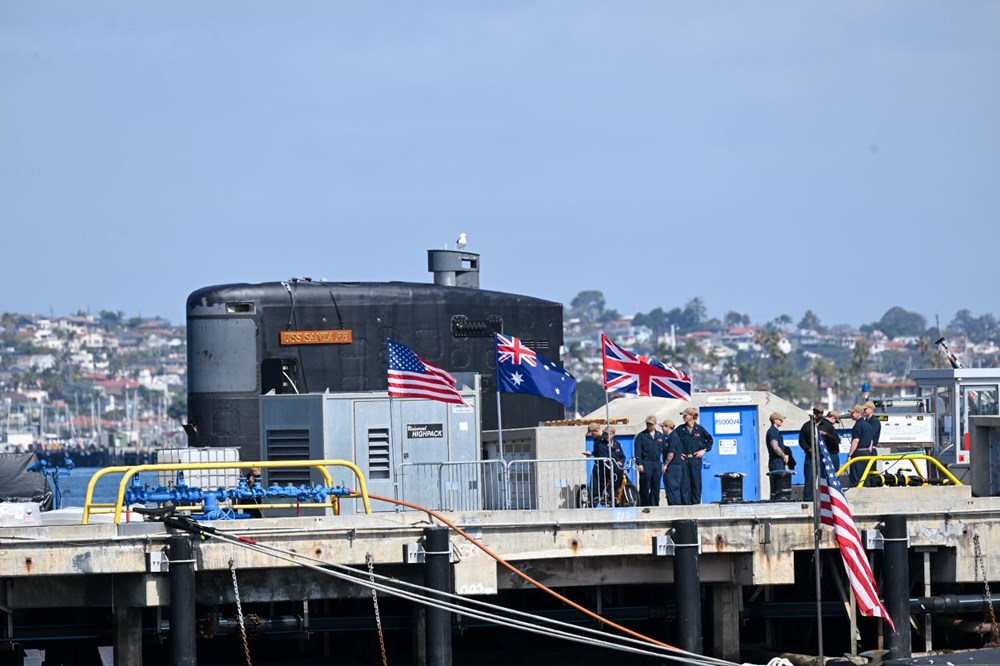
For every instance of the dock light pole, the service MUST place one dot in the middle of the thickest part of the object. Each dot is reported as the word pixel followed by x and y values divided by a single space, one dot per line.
pixel 687 586
pixel 183 651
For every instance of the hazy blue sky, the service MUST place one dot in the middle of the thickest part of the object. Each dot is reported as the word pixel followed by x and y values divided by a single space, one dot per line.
pixel 769 157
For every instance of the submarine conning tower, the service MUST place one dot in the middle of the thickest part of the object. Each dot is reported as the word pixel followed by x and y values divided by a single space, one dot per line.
pixel 310 336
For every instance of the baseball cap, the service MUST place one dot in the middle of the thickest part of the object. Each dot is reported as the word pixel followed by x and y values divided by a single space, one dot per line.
pixel 667 423
pixel 651 419
pixel 690 410
pixel 776 415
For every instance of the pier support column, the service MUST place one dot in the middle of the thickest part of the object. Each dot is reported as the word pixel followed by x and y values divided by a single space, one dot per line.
pixel 127 635
pixel 727 604
pixel 687 586
pixel 896 577
pixel 183 651
pixel 437 576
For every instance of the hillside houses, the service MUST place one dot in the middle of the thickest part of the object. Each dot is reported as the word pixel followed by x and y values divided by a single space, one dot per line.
pixel 807 364
pixel 100 366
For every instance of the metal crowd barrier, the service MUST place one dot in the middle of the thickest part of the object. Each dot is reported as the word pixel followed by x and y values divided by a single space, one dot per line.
pixel 552 483
pixel 494 485
pixel 473 485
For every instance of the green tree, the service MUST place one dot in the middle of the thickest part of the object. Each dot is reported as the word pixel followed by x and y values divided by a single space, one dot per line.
pixel 588 305
pixel 858 365
pixel 734 319
pixel 781 322
pixel 656 320
pixel 897 322
pixel 822 369
pixel 976 329
pixel 738 370
pixel 178 407
pixel 589 396
pixel 810 322
pixel 109 319
pixel 695 313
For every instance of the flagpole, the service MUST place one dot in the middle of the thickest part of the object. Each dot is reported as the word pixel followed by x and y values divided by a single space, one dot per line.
pixel 395 476
pixel 503 463
pixel 611 461
pixel 499 426
pixel 816 534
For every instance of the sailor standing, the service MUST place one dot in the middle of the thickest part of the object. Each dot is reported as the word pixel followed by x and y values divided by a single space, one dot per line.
pixel 673 473
pixel 861 443
pixel 649 451
pixel 695 443
pixel 777 459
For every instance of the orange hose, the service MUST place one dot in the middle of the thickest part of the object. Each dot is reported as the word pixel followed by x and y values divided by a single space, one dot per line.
pixel 570 602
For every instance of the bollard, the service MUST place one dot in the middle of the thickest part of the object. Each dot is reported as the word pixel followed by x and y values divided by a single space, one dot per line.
pixel 896 577
pixel 781 485
pixel 183 650
pixel 687 585
pixel 732 486
pixel 437 576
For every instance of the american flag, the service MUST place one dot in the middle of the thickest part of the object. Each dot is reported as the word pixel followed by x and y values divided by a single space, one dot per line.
pixel 834 511
pixel 412 377
pixel 626 372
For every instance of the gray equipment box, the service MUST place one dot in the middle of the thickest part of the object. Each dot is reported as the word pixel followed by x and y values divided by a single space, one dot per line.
pixel 382 436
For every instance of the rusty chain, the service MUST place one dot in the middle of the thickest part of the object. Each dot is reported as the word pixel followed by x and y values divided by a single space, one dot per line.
pixel 378 618
pixel 989 599
pixel 239 612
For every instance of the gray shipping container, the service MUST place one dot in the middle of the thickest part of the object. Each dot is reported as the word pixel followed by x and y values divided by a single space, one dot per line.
pixel 380 435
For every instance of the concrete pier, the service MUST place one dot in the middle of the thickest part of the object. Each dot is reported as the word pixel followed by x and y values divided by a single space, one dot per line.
pixel 740 546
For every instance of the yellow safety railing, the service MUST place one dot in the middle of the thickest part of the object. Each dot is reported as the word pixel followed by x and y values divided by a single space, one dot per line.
pixel 871 460
pixel 90 507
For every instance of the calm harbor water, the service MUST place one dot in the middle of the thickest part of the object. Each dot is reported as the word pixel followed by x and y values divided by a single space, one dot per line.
pixel 74 486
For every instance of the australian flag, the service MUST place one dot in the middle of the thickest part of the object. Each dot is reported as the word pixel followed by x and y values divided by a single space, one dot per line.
pixel 521 370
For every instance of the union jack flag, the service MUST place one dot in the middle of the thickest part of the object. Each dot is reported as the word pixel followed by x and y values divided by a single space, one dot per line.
pixel 625 372
pixel 511 349
pixel 836 512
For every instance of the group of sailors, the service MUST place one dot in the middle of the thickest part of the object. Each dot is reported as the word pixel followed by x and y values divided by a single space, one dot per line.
pixel 663 453
pixel 672 455
pixel 821 429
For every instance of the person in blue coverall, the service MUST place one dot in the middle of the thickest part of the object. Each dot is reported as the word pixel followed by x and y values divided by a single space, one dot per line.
pixel 649 453
pixel 695 443
pixel 861 443
pixel 777 459
pixel 874 423
pixel 673 473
